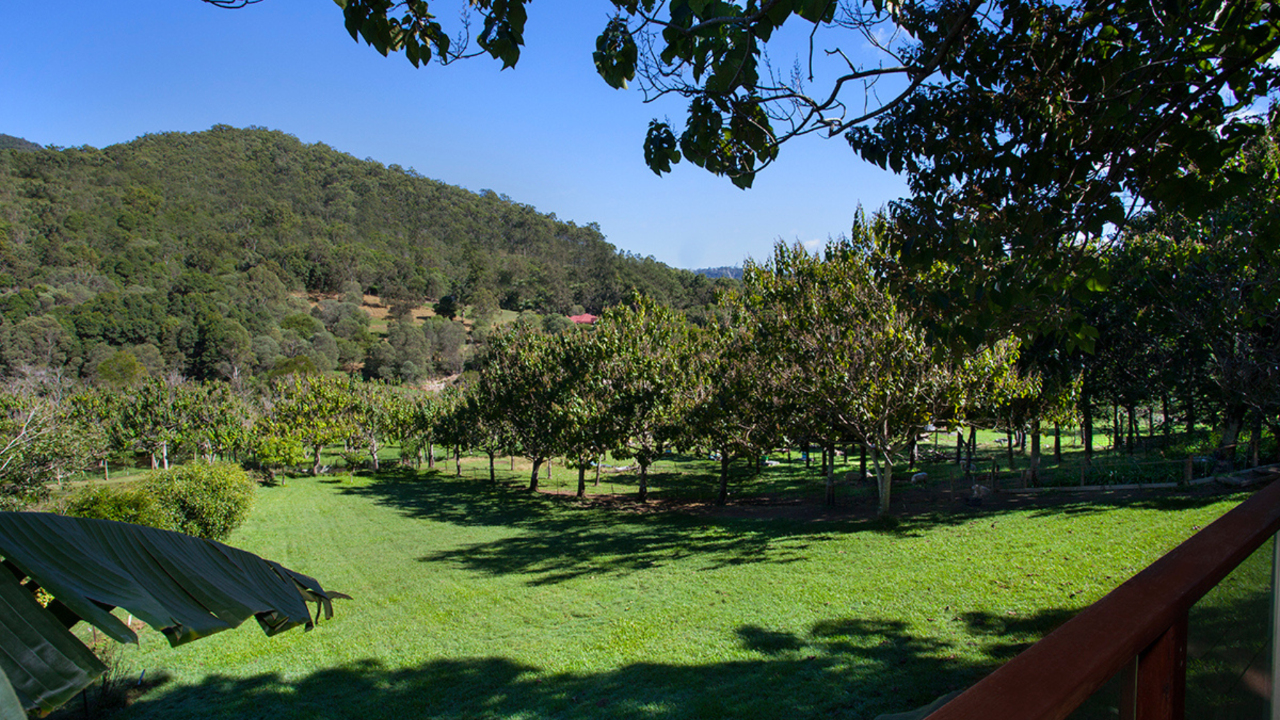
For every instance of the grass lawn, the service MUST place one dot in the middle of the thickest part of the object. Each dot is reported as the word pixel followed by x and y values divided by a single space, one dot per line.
pixel 482 601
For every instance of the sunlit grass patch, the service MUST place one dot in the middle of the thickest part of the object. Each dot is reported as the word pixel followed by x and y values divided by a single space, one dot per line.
pixel 474 600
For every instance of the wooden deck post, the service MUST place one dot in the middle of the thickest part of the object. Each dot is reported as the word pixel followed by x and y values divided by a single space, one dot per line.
pixel 1155 684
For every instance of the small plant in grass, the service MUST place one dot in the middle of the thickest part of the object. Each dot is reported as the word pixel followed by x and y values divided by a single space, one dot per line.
pixel 354 460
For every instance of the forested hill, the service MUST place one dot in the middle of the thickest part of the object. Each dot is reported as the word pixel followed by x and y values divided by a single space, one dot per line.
pixel 16 143
pixel 228 200
pixel 175 240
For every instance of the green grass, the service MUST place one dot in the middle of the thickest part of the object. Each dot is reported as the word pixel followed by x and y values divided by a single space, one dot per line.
pixel 476 601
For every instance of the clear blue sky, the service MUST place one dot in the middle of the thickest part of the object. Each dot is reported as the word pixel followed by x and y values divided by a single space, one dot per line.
pixel 548 133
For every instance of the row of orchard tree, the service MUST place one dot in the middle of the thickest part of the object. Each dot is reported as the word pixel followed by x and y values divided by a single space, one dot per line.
pixel 51 429
pixel 811 349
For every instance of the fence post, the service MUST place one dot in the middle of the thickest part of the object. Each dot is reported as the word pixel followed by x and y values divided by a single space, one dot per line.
pixel 1155 685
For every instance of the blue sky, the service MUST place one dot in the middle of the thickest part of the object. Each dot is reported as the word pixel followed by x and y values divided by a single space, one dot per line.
pixel 548 133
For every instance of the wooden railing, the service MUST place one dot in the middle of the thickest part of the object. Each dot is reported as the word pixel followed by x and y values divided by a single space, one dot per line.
pixel 1139 628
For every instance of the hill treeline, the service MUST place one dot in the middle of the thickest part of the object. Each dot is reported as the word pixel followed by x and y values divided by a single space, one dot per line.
pixel 189 248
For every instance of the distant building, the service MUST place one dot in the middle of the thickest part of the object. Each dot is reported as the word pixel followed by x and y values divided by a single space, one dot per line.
pixel 583 319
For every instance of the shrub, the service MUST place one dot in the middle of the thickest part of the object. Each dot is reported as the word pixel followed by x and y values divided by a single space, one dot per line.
pixel 115 502
pixel 207 501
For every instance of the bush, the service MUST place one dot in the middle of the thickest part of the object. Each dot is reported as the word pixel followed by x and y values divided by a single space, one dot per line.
pixel 207 501
pixel 115 502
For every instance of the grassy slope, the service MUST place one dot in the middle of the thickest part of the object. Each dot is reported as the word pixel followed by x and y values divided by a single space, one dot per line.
pixel 472 601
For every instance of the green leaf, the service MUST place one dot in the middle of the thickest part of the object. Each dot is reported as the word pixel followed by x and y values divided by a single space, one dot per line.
pixel 40 660
pixel 183 586
pixel 10 706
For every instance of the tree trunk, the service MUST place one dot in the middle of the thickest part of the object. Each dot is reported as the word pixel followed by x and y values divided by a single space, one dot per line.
pixel 1117 428
pixel 806 455
pixel 830 496
pixel 643 494
pixel 373 453
pixel 457 460
pixel 1035 451
pixel 431 455
pixel 315 461
pixel 533 476
pixel 164 453
pixel 1133 428
pixel 1232 423
pixel 1164 416
pixel 1255 438
pixel 912 455
pixel 959 451
pixel 1086 431
pixel 493 475
pixel 582 480
pixel 862 462
pixel 884 481
pixel 598 461
pixel 1189 404
pixel 1057 444
pixel 723 497
pixel 1008 439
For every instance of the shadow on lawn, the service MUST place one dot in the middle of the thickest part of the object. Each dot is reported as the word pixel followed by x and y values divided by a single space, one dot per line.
pixel 844 668
pixel 562 538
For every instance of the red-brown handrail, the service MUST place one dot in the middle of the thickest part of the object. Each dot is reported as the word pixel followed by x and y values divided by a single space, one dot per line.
pixel 1145 618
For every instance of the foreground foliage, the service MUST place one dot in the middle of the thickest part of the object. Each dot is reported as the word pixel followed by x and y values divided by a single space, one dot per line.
pixel 184 587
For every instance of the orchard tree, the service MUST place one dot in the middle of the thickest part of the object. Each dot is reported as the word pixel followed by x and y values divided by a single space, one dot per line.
pixel 478 424
pixel 313 410
pixel 855 360
pixel 645 353
pixel 211 418
pixel 44 437
pixel 149 421
pixel 373 416
pixel 738 409
pixel 588 405
pixel 524 377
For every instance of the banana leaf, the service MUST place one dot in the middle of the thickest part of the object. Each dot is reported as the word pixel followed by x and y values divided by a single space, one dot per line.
pixel 185 587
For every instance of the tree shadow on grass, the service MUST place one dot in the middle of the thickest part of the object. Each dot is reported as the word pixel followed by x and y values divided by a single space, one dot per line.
pixel 842 668
pixel 557 547
pixel 1146 499
pixel 561 538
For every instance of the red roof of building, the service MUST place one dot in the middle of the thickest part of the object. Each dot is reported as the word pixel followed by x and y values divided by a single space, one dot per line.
pixel 583 319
